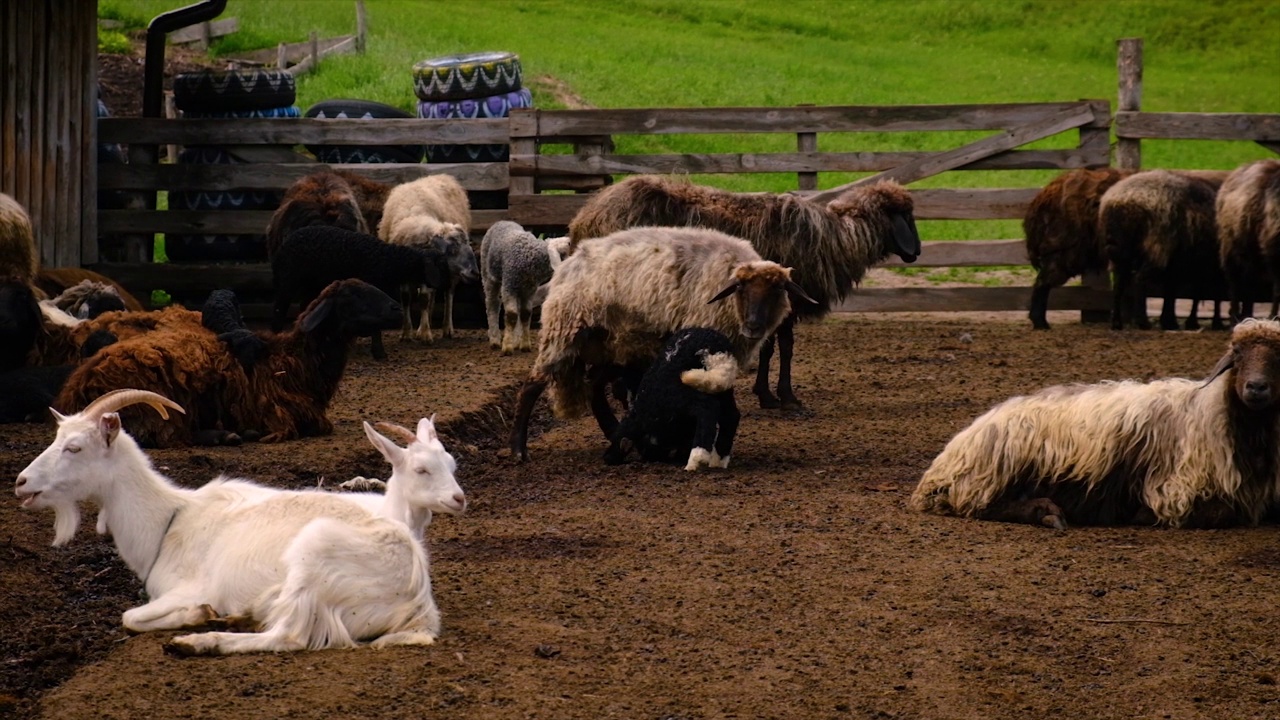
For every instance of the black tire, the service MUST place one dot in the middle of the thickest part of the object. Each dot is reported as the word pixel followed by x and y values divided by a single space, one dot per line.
pixel 493 106
pixel 455 77
pixel 218 248
pixel 214 91
pixel 363 109
pixel 287 111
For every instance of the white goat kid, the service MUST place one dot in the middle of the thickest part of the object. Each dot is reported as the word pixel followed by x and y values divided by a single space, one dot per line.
pixel 317 570
pixel 421 482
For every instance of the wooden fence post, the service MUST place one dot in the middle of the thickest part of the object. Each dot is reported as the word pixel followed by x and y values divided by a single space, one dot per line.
pixel 362 27
pixel 806 143
pixel 1129 71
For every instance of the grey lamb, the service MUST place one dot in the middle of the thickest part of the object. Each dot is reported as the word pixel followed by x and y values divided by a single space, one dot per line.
pixel 515 264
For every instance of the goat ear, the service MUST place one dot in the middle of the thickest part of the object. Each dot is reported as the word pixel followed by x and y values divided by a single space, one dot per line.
pixel 390 451
pixel 799 292
pixel 427 429
pixel 317 315
pixel 733 288
pixel 1227 362
pixel 109 425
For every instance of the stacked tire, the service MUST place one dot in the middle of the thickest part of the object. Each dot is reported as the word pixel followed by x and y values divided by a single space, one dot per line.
pixel 365 110
pixel 469 87
pixel 230 94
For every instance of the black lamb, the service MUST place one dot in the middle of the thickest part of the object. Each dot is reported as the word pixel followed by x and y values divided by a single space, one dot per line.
pixel 221 314
pixel 313 257
pixel 684 405
pixel 27 393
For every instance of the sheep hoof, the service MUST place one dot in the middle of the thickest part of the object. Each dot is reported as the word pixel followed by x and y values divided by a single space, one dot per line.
pixel 768 401
pixel 792 403
pixel 1054 521
pixel 699 457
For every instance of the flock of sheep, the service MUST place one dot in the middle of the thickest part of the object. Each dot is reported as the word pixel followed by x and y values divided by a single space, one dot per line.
pixel 662 291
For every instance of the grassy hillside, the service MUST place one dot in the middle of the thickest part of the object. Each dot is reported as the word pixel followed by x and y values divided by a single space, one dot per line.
pixel 1210 57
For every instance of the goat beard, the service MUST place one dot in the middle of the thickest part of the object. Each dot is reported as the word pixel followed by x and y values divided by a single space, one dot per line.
pixel 66 519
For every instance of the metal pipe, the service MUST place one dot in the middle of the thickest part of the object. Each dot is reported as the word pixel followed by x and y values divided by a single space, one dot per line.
pixel 153 67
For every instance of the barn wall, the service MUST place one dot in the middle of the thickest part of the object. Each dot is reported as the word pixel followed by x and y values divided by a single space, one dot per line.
pixel 48 106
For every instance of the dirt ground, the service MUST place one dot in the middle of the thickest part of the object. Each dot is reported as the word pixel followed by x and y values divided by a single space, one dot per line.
pixel 795 584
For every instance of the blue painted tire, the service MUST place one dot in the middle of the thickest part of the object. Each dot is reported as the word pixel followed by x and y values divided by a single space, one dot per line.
pixel 493 106
pixel 456 77
pixel 363 109
pixel 288 111
pixel 212 91
pixel 218 247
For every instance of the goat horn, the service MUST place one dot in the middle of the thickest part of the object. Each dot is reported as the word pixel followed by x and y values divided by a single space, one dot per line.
pixel 398 431
pixel 117 399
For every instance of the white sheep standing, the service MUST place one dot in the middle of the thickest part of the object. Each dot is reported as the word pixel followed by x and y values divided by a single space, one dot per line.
pixel 1173 452
pixel 515 266
pixel 432 211
pixel 615 299
pixel 316 569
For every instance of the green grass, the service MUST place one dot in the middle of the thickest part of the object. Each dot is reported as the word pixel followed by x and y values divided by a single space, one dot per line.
pixel 1199 57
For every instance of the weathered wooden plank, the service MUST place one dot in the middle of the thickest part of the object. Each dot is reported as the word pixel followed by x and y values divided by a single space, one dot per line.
pixel 142 278
pixel 85 158
pixel 941 162
pixel 972 203
pixel 195 33
pixel 1096 155
pixel 230 222
pixel 308 131
pixel 972 299
pixel 656 121
pixel 275 176
pixel 966 253
pixel 1199 126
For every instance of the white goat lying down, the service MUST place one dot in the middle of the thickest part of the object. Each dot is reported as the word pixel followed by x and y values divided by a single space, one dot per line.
pixel 316 570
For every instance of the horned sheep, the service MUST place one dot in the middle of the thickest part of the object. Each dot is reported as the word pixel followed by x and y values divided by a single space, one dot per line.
pixel 612 303
pixel 316 570
pixel 829 246
pixel 684 403
pixel 1160 225
pixel 432 211
pixel 1173 452
pixel 283 396
pixel 1248 208
pixel 514 265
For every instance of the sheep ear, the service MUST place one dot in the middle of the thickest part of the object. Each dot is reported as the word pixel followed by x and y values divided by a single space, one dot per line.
pixel 906 239
pixel 109 425
pixel 317 315
pixel 1227 362
pixel 427 429
pixel 390 451
pixel 798 291
pixel 733 288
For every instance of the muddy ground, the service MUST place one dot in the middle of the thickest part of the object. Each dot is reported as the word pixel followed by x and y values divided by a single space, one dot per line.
pixel 795 584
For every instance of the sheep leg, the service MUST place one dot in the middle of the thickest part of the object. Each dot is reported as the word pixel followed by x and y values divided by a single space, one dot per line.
pixel 1040 303
pixel 1035 511
pixel 1217 323
pixel 529 394
pixel 620 443
pixel 448 311
pixel 1119 293
pixel 1138 289
pixel 525 327
pixel 601 376
pixel 1193 318
pixel 424 321
pixel 706 412
pixel 168 612
pixel 492 307
pixel 761 388
pixel 376 347
pixel 786 346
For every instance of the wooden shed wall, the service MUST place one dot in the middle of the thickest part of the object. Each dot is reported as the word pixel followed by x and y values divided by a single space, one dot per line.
pixel 48 106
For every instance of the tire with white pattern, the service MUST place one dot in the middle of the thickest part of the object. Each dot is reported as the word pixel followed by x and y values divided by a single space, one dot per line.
pixel 493 106
pixel 363 109
pixel 455 77
pixel 226 91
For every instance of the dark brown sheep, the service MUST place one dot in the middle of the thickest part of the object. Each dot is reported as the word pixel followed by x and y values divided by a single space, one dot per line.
pixel 321 198
pixel 1248 209
pixel 1061 229
pixel 283 396
pixel 19 256
pixel 1158 226
pixel 829 247
pixel 371 196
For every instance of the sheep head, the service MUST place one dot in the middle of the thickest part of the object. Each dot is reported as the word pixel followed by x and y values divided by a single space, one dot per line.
pixel 84 458
pixel 1254 359
pixel 888 207
pixel 351 308
pixel 423 471
pixel 761 290
pixel 459 256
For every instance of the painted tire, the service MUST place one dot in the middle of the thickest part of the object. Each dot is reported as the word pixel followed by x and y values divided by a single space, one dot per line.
pixel 288 111
pixel 218 248
pixel 455 77
pixel 362 109
pixel 494 106
pixel 231 91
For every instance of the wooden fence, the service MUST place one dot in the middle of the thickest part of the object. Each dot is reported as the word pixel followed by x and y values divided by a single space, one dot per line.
pixel 532 178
